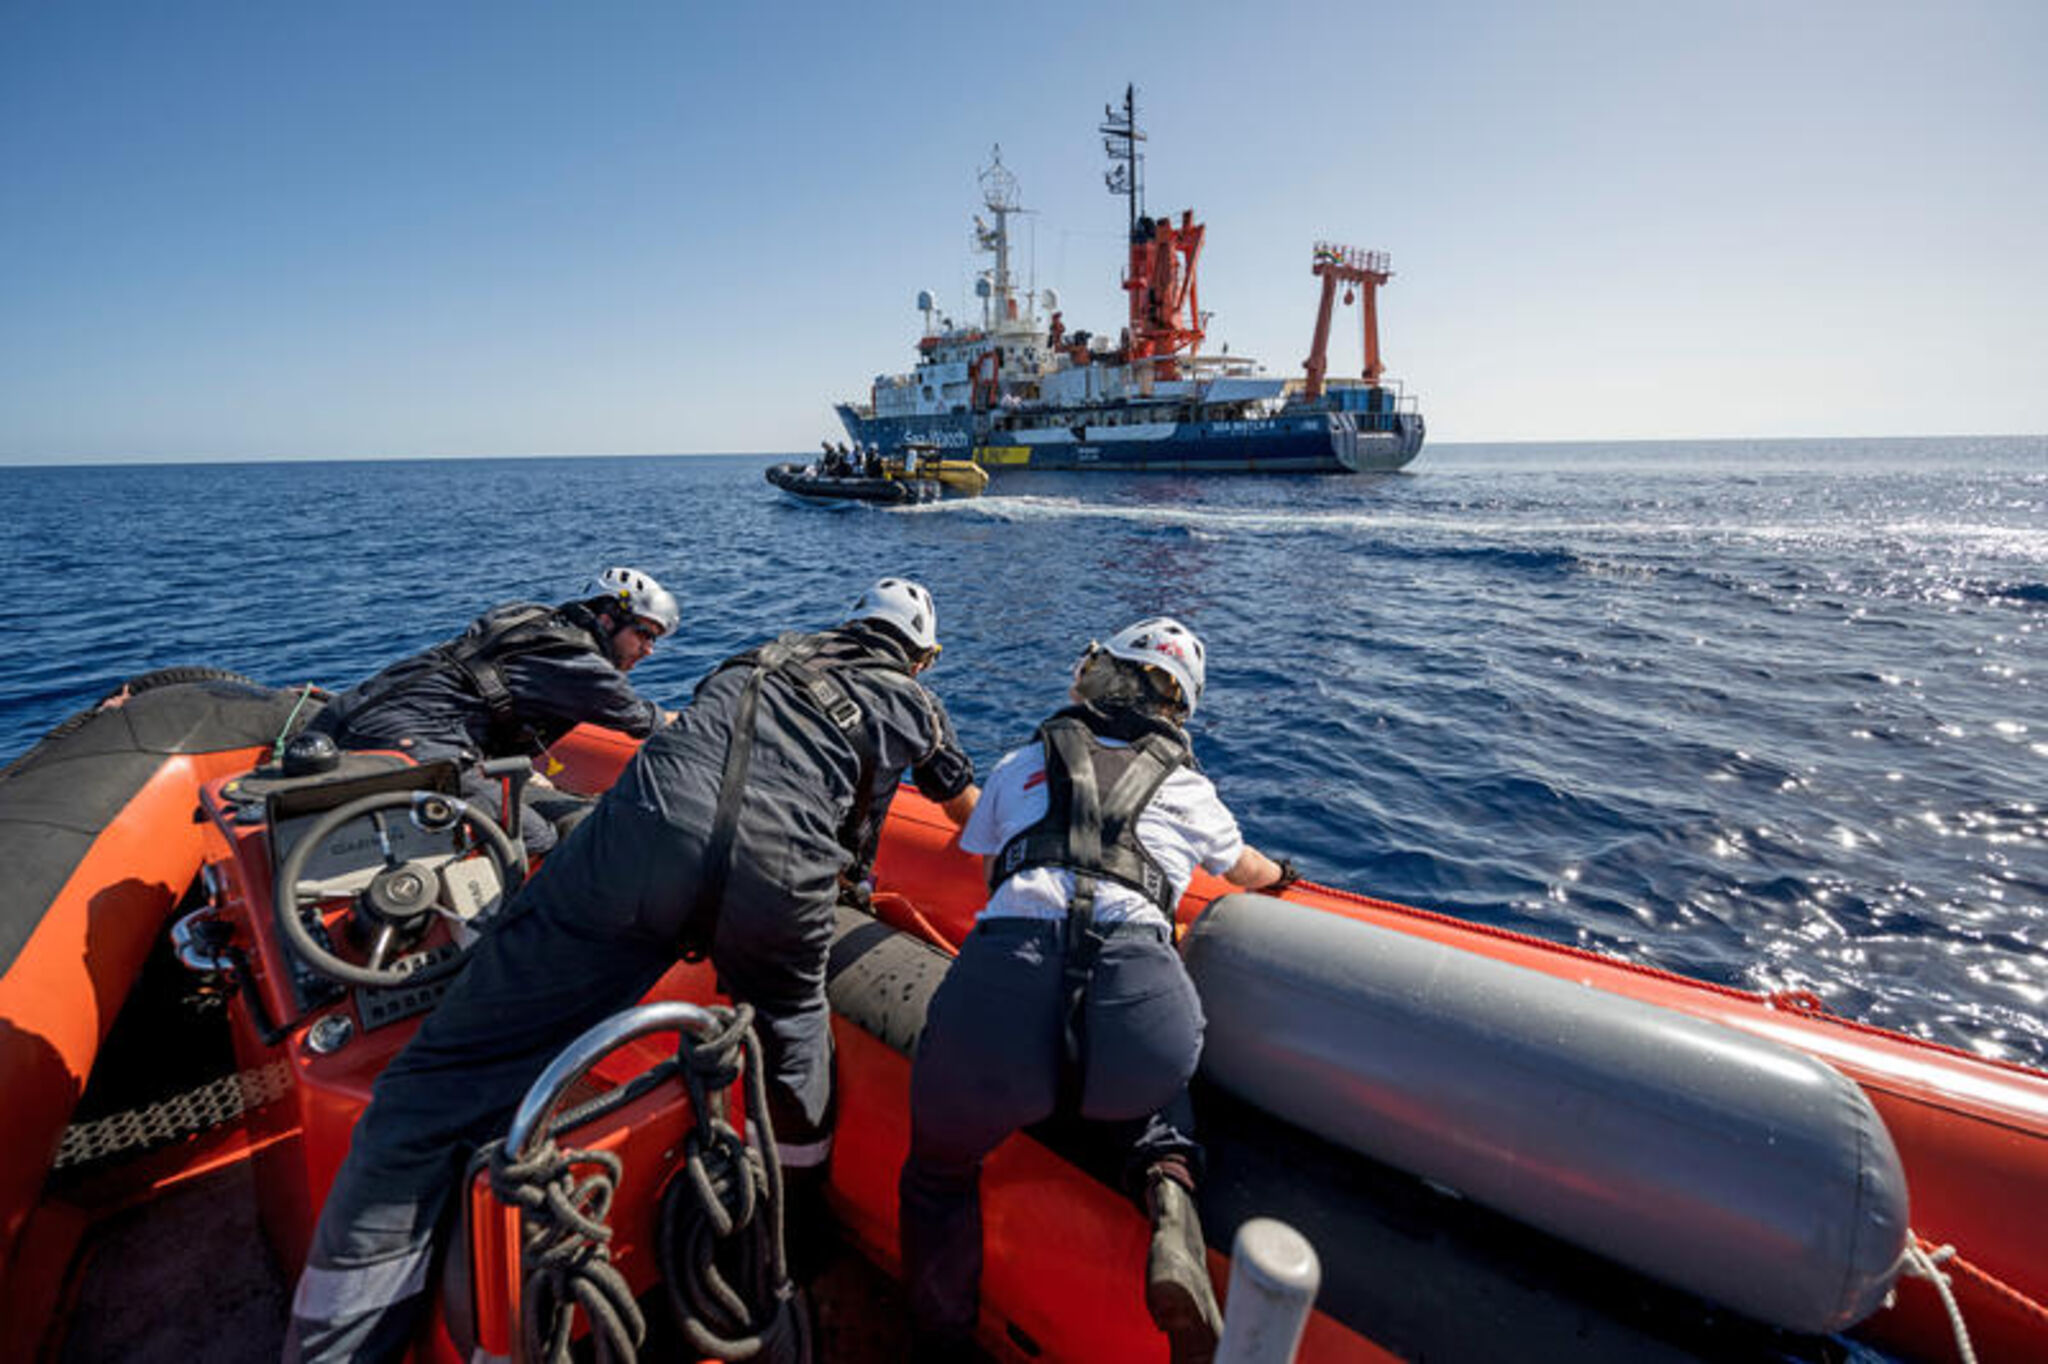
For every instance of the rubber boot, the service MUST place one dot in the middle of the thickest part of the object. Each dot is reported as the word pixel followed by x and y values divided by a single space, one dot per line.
pixel 1178 1293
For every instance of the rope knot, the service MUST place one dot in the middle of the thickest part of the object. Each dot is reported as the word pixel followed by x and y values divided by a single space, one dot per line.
pixel 715 1060
pixel 565 1250
pixel 1923 1260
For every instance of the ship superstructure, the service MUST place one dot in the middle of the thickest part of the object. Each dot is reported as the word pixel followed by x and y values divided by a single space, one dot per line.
pixel 1022 390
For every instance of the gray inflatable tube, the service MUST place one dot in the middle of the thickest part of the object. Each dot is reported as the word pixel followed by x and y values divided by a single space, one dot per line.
pixel 1727 1165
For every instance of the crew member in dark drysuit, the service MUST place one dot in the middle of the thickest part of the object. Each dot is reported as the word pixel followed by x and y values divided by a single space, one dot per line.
pixel 729 831
pixel 519 678
pixel 1068 996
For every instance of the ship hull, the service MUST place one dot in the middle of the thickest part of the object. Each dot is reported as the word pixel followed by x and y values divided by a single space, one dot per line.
pixel 1307 442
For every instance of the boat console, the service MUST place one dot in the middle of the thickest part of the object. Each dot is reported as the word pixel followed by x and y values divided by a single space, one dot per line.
pixel 374 873
pixel 343 891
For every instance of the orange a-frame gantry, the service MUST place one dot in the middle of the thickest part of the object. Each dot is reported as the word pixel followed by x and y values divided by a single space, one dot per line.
pixel 1367 271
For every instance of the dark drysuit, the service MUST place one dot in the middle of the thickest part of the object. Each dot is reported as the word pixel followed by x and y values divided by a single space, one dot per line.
pixel 516 680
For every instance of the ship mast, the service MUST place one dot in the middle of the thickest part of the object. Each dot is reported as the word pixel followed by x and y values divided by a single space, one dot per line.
pixel 999 196
pixel 1120 139
pixel 1166 315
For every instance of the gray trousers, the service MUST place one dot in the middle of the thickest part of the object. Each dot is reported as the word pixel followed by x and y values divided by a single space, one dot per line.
pixel 988 1064
pixel 535 829
pixel 586 938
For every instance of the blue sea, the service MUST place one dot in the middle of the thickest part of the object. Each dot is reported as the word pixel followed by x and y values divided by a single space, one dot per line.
pixel 1771 713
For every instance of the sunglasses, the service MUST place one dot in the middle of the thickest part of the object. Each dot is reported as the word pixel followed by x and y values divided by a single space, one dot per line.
pixel 646 632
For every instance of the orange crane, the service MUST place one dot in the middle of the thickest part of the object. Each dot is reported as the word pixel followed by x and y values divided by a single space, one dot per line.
pixel 1166 315
pixel 1363 271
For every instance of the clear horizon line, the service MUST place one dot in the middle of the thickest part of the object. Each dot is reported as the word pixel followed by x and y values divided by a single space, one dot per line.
pixel 1435 445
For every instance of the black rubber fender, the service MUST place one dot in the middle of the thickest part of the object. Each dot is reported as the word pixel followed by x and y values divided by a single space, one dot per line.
pixel 57 798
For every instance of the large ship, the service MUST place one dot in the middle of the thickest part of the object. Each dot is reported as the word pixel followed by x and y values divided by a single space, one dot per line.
pixel 1022 391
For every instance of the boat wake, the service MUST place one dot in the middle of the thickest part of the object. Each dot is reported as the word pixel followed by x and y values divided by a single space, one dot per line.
pixel 1912 559
pixel 2025 544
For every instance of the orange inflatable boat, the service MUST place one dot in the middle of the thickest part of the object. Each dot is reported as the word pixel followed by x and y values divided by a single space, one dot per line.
pixel 1498 1147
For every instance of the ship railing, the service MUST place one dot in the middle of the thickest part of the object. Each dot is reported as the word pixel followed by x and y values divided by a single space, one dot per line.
pixel 1350 258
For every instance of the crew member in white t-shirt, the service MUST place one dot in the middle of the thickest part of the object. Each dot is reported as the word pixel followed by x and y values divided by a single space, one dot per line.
pixel 1068 996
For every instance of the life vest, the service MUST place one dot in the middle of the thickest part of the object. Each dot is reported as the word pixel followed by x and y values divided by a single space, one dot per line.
pixel 478 656
pixel 1094 795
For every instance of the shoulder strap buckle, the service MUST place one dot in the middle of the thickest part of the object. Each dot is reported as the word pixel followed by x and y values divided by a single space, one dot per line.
pixel 826 693
pixel 489 681
pixel 843 710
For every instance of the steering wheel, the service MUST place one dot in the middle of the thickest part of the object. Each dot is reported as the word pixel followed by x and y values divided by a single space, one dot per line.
pixel 405 894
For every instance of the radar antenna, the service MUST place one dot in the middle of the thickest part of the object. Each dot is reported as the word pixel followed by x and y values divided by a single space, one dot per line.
pixel 999 196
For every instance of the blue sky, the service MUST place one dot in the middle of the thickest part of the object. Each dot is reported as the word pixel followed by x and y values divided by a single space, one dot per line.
pixel 362 230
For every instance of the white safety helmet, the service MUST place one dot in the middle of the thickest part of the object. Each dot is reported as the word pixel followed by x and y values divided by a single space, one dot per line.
pixel 1163 643
pixel 641 596
pixel 906 606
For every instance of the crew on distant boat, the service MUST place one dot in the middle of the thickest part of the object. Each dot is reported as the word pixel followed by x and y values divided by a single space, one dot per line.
pixel 1068 997
pixel 521 676
pixel 840 460
pixel 837 462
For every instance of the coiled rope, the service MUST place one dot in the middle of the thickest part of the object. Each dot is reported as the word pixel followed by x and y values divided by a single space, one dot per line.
pixel 565 1253
pixel 723 1258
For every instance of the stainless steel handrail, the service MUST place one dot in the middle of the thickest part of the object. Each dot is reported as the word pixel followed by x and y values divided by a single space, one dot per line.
pixel 531 1119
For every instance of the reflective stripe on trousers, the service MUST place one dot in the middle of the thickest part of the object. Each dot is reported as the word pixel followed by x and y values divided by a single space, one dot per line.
pixel 804 1155
pixel 334 1294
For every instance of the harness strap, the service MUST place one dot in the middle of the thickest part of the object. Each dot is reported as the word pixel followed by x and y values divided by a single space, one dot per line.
pixel 844 713
pixel 700 922
pixel 1154 762
pixel 790 655
pixel 482 662
pixel 1083 942
pixel 488 680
